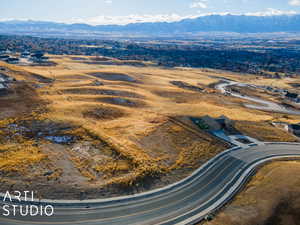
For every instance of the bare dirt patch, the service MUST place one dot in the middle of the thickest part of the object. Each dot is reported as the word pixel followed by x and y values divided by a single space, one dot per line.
pixel 93 91
pixel 113 76
pixel 104 113
pixel 186 86
pixel 73 77
pixel 78 58
pixel 116 63
pixel 180 145
pixel 178 97
pixel 58 154
pixel 122 102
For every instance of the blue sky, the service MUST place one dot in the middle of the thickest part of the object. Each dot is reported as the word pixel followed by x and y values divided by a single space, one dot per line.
pixel 126 11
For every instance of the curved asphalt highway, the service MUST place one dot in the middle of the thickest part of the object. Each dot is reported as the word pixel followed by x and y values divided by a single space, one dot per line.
pixel 185 202
pixel 263 104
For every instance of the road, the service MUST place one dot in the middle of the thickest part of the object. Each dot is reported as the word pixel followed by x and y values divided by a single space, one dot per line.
pixel 264 105
pixel 186 202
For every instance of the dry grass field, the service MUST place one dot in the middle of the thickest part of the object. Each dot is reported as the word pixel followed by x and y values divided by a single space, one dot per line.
pixel 89 128
pixel 264 131
pixel 271 198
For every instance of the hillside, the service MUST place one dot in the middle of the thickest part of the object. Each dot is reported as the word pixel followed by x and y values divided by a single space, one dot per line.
pixel 107 130
pixel 212 23
pixel 266 200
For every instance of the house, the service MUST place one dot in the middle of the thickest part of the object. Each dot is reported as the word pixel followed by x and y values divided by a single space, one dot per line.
pixel 4 84
pixel 281 125
pixel 291 95
pixel 12 60
pixel 38 57
pixel 3 51
pixel 3 87
pixel 225 122
pixel 25 54
pixel 4 57
pixel 5 79
pixel 210 123
pixel 214 124
pixel 2 79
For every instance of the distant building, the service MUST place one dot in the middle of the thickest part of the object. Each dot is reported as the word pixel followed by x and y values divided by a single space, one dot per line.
pixel 25 54
pixel 5 79
pixel 291 95
pixel 3 90
pixel 12 60
pixel 281 125
pixel 4 84
pixel 38 57
pixel 225 122
pixel 4 57
pixel 213 124
pixel 294 97
pixel 3 51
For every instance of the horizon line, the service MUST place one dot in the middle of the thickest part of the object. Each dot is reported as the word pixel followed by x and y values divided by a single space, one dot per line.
pixel 75 21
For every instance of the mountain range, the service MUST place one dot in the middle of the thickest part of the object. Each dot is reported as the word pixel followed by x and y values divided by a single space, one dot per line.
pixel 212 23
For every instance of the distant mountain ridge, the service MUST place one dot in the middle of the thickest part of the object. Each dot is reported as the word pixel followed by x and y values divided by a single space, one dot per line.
pixel 212 23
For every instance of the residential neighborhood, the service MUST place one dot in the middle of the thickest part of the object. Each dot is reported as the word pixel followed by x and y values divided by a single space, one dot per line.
pixel 23 58
pixel 4 84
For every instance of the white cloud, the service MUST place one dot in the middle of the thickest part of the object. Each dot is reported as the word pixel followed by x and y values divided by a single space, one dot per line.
pixel 108 1
pixel 294 2
pixel 136 18
pixel 14 19
pixel 272 12
pixel 199 5
pixel 123 20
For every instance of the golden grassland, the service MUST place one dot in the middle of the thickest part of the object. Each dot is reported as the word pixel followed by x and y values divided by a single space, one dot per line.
pixel 16 157
pixel 271 197
pixel 264 131
pixel 128 121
